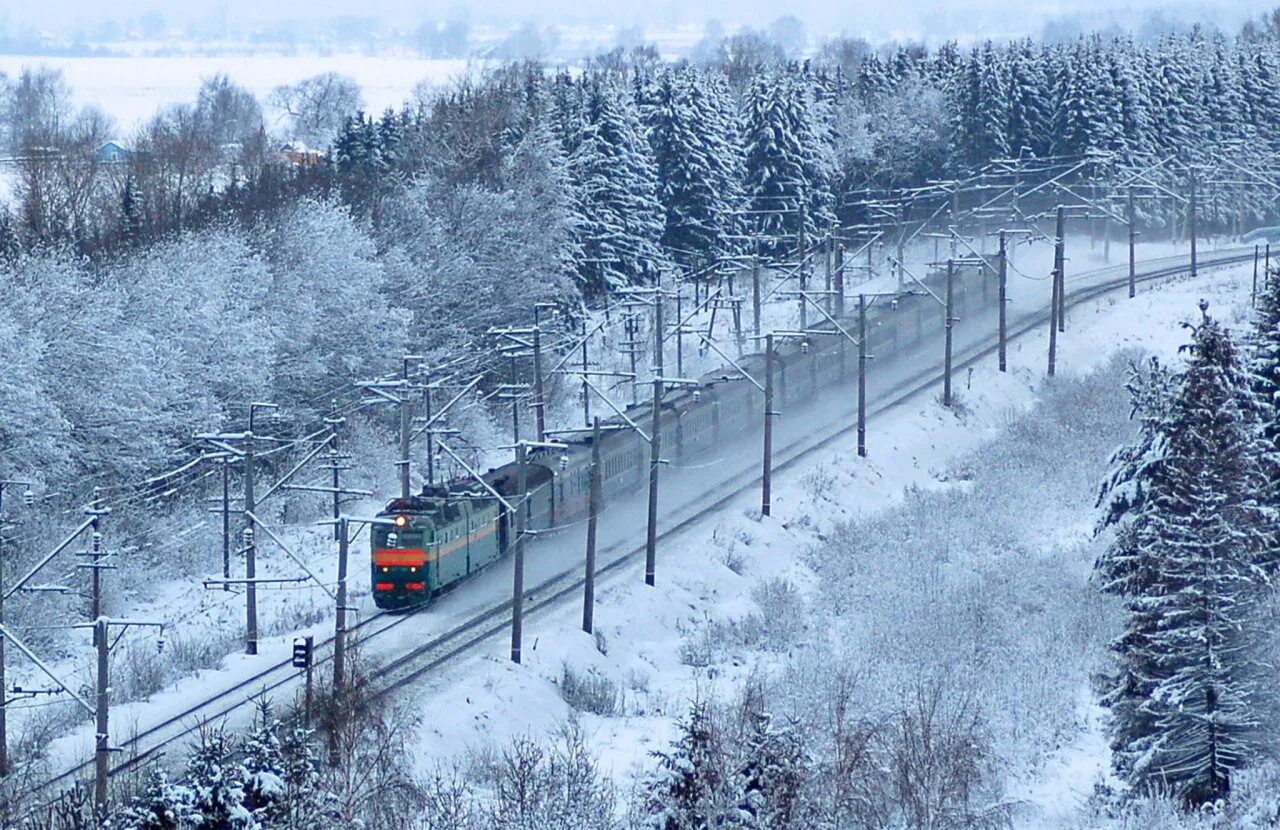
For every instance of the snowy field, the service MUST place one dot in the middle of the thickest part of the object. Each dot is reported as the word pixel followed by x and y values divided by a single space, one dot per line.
pixel 131 89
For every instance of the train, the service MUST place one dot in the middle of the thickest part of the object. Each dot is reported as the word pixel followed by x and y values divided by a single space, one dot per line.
pixel 430 542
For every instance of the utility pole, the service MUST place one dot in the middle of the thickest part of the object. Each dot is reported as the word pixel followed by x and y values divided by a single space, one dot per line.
pixel 1053 319
pixel 250 549
pixel 902 247
pixel 517 588
pixel 1133 238
pixel 426 413
pixel 679 332
pixel 950 322
pixel 766 481
pixel 225 510
pixel 755 291
pixel 515 403
pixel 1060 267
pixel 340 616
pixel 1192 222
pixel 1253 294
pixel 95 511
pixel 593 514
pixel 1003 276
pixel 586 387
pixel 828 253
pixel 28 499
pixel 862 375
pixel 102 744
pixel 655 450
pixel 102 709
pixel 539 402
pixel 406 435
pixel 803 271
pixel 839 282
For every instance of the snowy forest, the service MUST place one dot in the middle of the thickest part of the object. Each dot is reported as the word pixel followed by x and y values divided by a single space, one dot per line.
pixel 421 228
pixel 149 299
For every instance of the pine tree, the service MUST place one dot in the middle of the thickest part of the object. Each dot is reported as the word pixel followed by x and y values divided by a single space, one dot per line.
pixel 1189 691
pixel 689 791
pixel 614 174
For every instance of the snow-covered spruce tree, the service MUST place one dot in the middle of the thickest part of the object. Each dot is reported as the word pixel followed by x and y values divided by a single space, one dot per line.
pixel 265 769
pixel 690 790
pixel 770 781
pixel 617 183
pixel 699 164
pixel 789 167
pixel 1192 686
pixel 162 805
pixel 217 784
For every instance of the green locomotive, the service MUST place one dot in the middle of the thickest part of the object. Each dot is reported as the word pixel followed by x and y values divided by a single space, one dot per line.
pixel 431 542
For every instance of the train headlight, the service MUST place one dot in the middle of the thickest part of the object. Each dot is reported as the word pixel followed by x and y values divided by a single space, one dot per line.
pixel 804 347
pixel 697 395
pixel 401 521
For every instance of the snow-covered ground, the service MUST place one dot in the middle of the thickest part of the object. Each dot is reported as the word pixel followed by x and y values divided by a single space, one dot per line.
pixel 486 698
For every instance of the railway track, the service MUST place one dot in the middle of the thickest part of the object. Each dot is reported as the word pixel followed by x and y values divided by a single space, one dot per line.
pixel 441 649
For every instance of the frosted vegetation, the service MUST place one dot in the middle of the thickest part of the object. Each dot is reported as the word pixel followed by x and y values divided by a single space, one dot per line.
pixel 145 300
pixel 939 660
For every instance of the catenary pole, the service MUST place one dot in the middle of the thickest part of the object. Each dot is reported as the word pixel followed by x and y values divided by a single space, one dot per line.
pixel 1133 253
pixel 862 375
pixel 766 479
pixel 1003 276
pixel 950 323
pixel 250 548
pixel 340 612
pixel 539 402
pixel 593 514
pixel 517 587
pixel 1060 258
pixel 102 745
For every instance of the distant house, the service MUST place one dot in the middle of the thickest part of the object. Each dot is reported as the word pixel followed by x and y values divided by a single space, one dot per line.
pixel 113 152
pixel 295 152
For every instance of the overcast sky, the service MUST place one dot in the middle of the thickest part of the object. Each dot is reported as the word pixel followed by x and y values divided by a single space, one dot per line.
pixel 875 19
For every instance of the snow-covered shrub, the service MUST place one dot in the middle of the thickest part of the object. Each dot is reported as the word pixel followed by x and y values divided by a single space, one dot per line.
pixel 590 691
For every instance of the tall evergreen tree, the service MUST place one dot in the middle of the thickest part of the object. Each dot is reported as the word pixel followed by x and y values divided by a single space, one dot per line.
pixel 617 183
pixel 1191 686
pixel 690 789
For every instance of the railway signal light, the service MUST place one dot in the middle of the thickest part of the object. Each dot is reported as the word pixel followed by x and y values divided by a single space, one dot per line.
pixel 302 652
